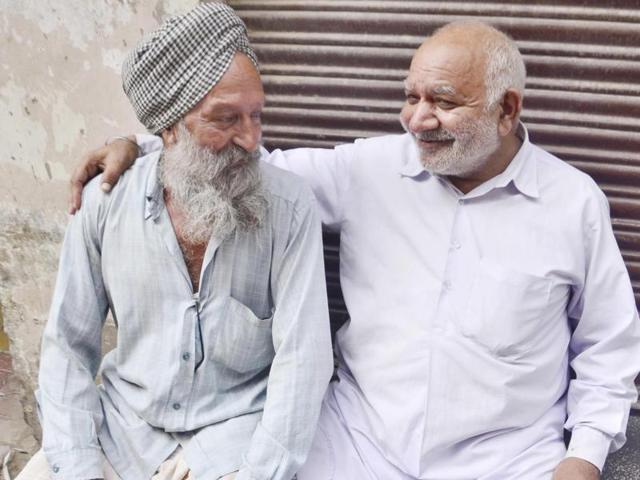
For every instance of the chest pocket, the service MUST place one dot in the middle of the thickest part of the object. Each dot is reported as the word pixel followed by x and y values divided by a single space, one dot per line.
pixel 243 342
pixel 505 309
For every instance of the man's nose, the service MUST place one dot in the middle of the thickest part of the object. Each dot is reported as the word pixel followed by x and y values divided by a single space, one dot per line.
pixel 423 118
pixel 248 135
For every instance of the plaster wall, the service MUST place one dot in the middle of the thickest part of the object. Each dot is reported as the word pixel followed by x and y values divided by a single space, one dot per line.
pixel 60 95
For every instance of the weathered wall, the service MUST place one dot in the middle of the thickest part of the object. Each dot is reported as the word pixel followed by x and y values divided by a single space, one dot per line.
pixel 60 95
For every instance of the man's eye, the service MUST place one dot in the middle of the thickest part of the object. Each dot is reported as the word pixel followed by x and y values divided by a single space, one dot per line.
pixel 446 104
pixel 223 121
pixel 412 99
pixel 257 116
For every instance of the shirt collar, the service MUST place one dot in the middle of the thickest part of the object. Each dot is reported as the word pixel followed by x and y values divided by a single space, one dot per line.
pixel 521 171
pixel 410 165
pixel 153 190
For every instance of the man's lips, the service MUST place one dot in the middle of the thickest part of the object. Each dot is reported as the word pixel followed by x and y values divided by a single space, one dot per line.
pixel 434 142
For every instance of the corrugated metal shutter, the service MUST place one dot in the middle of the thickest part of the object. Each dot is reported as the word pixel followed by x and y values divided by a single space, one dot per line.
pixel 333 72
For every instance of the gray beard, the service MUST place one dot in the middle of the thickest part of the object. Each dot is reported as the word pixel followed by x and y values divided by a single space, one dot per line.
pixel 216 192
pixel 474 142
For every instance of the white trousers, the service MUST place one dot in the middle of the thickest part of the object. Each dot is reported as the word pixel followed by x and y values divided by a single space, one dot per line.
pixel 173 468
pixel 340 453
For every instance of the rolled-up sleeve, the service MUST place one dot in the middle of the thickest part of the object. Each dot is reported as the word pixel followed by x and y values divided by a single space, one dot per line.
pixel 605 345
pixel 303 363
pixel 68 399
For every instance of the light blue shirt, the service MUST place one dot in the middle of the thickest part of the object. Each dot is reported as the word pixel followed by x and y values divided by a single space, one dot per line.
pixel 247 398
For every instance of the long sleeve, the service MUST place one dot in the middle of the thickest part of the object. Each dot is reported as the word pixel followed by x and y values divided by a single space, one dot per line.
pixel 327 171
pixel 68 398
pixel 605 345
pixel 303 364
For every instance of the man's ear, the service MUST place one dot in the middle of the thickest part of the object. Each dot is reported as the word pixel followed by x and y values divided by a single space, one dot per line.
pixel 510 109
pixel 169 135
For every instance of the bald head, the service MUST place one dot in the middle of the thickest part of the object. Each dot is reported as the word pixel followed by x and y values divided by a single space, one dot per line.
pixel 493 56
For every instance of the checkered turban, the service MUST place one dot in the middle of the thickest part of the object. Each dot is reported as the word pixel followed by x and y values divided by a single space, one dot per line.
pixel 175 66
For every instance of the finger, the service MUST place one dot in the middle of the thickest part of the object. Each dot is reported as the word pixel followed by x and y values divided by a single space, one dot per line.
pixel 89 167
pixel 114 167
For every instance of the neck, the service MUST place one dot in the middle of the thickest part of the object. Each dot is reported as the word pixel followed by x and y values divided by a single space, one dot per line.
pixel 495 165
pixel 192 253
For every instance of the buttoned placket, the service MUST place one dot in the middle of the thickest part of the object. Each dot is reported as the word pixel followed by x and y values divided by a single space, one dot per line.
pixel 191 351
pixel 460 268
pixel 451 266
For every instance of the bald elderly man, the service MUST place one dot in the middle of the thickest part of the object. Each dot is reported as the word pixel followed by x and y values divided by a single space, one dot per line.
pixel 476 268
pixel 211 263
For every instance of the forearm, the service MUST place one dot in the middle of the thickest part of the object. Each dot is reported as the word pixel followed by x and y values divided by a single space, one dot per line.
pixel 283 437
pixel 605 345
pixel 70 408
pixel 303 362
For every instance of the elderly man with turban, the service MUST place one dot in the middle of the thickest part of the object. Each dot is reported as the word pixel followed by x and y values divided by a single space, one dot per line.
pixel 210 262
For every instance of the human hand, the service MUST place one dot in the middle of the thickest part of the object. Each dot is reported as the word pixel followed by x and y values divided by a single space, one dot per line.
pixel 112 160
pixel 572 468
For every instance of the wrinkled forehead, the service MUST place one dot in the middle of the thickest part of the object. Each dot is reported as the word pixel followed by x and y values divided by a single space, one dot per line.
pixel 448 67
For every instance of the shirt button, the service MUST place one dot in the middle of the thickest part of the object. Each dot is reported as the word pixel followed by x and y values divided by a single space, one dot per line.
pixel 176 406
pixel 461 201
pixel 55 469
pixel 455 246
pixel 186 356
pixel 447 285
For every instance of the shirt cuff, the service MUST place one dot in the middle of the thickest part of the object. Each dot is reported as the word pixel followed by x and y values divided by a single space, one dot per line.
pixel 148 143
pixel 84 464
pixel 589 444
pixel 266 459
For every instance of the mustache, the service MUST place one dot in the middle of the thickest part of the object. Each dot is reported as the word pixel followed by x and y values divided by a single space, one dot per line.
pixel 440 135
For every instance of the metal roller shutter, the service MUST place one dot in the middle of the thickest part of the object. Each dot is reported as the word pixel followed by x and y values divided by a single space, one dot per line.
pixel 333 72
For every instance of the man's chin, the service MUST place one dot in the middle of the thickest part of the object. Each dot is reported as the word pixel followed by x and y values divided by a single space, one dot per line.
pixel 435 167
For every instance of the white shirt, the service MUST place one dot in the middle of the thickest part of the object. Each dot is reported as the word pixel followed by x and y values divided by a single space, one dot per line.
pixel 466 310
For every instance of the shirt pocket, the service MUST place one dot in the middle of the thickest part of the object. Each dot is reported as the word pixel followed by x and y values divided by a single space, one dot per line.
pixel 243 342
pixel 505 309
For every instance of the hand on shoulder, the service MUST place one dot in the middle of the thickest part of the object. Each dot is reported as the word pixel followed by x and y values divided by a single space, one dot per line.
pixel 112 160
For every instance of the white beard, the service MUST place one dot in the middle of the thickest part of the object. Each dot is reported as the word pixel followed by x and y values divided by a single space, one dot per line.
pixel 473 143
pixel 216 192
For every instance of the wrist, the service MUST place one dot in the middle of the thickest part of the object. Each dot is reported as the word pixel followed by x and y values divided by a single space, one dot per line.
pixel 130 139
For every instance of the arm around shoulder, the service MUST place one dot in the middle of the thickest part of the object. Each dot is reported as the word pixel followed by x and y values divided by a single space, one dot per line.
pixel 326 170
pixel 112 160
